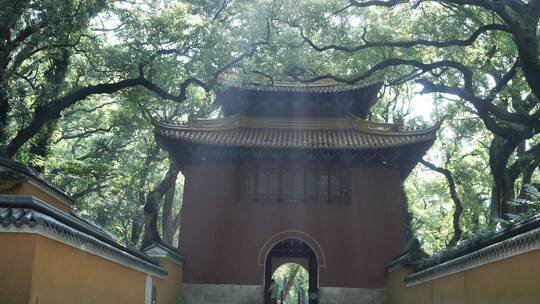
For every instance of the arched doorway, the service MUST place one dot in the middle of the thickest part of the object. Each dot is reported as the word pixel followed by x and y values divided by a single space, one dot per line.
pixel 292 251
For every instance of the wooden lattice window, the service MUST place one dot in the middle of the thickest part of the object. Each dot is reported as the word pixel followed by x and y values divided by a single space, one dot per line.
pixel 265 184
pixel 249 185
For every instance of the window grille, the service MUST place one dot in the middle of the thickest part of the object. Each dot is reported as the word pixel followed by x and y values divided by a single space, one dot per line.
pixel 274 187
pixel 294 186
pixel 298 186
pixel 262 185
pixel 249 186
pixel 322 185
pixel 336 190
pixel 311 186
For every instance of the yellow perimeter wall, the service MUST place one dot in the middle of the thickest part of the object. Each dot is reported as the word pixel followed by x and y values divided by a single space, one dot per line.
pixel 13 187
pixel 514 280
pixel 170 288
pixel 37 270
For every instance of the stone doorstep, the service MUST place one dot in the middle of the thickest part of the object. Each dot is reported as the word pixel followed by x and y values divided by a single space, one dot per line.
pixel 339 295
pixel 222 294
pixel 252 294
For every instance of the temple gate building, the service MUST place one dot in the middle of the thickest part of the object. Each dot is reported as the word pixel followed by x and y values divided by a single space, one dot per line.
pixel 292 174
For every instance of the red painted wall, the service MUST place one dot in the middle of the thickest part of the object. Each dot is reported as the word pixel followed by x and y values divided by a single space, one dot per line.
pixel 221 237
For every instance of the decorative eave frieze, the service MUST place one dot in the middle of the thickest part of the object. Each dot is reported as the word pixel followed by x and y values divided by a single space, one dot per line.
pixel 520 244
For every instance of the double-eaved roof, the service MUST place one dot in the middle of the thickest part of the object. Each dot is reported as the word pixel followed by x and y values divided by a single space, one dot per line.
pixel 288 121
pixel 332 134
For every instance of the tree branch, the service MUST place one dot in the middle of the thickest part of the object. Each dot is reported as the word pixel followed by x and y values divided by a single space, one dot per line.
pixel 455 198
pixel 83 134
pixel 220 10
pixel 393 62
pixel 503 81
pixel 485 107
pixel 390 3
pixel 88 190
pixel 526 159
pixel 53 110
pixel 404 44
pixel 25 33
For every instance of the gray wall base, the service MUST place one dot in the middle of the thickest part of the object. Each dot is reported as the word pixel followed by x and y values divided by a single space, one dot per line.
pixel 252 294
pixel 222 294
pixel 338 295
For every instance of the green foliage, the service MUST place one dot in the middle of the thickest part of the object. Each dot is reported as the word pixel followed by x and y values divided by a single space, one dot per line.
pixel 443 255
pixel 102 149
pixel 301 281
pixel 530 202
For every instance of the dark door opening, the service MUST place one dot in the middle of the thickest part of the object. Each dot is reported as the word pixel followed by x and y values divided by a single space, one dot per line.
pixel 295 251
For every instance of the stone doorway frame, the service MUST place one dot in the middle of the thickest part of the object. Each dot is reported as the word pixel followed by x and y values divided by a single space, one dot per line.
pixel 309 256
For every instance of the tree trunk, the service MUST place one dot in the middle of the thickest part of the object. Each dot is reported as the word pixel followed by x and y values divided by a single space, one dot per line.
pixel 55 79
pixel 526 164
pixel 4 110
pixel 136 228
pixel 167 221
pixel 407 216
pixel 502 192
pixel 458 205
pixel 527 179
pixel 151 232
pixel 138 217
pixel 40 147
pixel 290 283
pixel 526 38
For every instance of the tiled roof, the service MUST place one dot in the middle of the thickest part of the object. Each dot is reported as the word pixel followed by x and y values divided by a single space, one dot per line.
pixel 18 217
pixel 334 134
